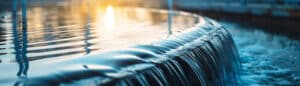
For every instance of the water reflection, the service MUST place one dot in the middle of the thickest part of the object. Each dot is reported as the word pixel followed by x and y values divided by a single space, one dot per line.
pixel 87 31
pixel 75 29
pixel 20 54
pixel 24 38
pixel 109 17
pixel 108 20
pixel 170 16
pixel 16 38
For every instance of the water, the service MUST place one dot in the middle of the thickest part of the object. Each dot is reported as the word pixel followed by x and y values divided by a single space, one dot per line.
pixel 266 58
pixel 73 29
pixel 197 57
pixel 170 9
pixel 67 43
pixel 203 56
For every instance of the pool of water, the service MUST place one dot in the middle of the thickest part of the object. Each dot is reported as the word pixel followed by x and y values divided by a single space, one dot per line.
pixel 76 28
pixel 66 30
pixel 267 59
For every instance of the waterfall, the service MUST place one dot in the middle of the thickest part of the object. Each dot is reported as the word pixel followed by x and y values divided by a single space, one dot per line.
pixel 204 55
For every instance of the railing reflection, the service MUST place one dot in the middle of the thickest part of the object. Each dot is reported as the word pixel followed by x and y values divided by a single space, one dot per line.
pixel 87 29
pixel 58 30
pixel 170 4
pixel 20 46
pixel 16 36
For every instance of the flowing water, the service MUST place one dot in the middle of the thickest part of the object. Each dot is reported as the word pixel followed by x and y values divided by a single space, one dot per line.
pixel 198 57
pixel 266 58
pixel 57 38
pixel 72 29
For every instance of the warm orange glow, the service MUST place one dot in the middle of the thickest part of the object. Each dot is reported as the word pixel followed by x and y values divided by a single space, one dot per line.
pixel 109 17
pixel 106 21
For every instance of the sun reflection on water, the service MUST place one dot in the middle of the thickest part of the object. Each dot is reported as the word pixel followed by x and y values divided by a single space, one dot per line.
pixel 109 17
pixel 106 21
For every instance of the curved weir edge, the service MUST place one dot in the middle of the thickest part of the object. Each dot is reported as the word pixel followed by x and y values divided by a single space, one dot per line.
pixel 202 55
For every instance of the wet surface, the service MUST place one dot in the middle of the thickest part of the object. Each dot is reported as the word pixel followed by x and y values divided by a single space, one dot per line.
pixel 57 35
pixel 267 59
pixel 74 29
pixel 195 57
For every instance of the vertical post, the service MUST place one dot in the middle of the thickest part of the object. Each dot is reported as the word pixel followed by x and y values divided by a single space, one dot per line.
pixel 170 2
pixel 16 36
pixel 24 36
pixel 87 29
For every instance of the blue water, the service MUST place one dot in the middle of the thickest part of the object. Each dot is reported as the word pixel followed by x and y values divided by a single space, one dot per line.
pixel 197 57
pixel 267 59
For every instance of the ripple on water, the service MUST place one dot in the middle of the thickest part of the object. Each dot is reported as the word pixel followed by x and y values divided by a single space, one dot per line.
pixel 267 59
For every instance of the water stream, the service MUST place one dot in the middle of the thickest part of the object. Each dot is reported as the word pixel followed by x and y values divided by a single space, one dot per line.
pixel 71 44
pixel 197 57
pixel 267 58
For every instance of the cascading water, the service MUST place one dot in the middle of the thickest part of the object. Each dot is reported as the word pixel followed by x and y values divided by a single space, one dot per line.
pixel 204 55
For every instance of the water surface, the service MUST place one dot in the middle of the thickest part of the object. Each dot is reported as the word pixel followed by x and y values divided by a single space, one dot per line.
pixel 267 58
pixel 76 28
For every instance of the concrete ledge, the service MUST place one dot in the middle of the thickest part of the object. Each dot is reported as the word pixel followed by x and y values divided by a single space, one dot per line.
pixel 254 8
pixel 152 61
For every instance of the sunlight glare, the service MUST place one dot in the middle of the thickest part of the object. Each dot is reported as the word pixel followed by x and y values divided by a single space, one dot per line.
pixel 109 17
